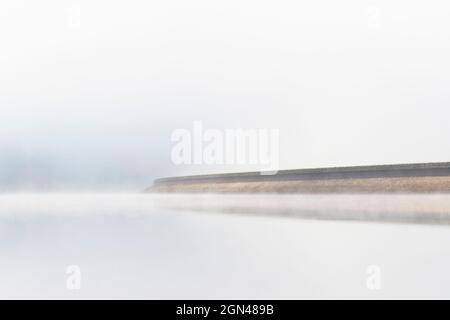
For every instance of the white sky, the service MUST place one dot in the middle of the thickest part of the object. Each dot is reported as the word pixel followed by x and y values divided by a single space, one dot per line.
pixel 90 91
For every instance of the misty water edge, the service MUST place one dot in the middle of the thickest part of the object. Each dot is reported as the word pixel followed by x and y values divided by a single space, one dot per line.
pixel 217 246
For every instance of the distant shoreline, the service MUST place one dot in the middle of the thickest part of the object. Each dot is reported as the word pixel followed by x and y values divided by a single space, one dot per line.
pixel 403 178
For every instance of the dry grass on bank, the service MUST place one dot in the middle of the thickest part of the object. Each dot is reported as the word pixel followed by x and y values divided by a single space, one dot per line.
pixel 363 185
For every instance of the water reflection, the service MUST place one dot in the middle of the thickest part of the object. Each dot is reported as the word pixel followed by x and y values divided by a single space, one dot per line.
pixel 178 246
pixel 404 208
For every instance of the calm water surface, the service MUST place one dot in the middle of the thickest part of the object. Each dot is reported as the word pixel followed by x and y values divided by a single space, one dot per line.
pixel 213 246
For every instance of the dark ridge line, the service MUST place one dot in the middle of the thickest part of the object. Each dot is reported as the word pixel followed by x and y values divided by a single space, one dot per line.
pixel 378 171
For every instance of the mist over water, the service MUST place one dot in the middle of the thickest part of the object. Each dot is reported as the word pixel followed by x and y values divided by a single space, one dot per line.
pixel 90 92
pixel 134 246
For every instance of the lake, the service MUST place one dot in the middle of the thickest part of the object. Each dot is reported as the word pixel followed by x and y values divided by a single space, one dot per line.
pixel 148 246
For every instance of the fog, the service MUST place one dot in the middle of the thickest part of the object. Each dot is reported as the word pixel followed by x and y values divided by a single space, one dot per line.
pixel 131 246
pixel 90 91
